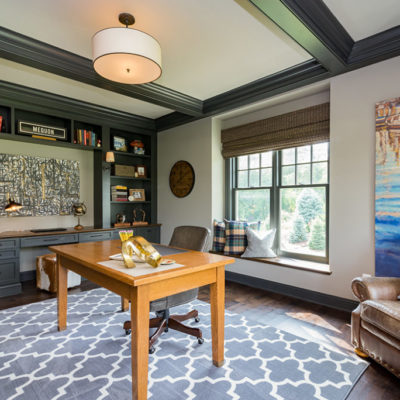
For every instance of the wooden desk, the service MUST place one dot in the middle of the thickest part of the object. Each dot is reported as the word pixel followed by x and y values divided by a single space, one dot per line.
pixel 199 269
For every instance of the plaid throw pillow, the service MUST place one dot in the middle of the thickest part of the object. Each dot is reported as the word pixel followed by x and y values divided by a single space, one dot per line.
pixel 236 239
pixel 219 236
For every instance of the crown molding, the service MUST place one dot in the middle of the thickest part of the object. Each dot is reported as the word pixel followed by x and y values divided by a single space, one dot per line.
pixel 34 53
pixel 23 96
pixel 376 48
pixel 261 89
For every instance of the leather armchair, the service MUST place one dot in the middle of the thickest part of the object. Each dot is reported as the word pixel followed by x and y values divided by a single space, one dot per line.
pixel 375 323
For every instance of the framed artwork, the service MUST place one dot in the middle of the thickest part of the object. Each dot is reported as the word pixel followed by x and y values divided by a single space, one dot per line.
pixel 141 171
pixel 137 195
pixel 387 188
pixel 119 143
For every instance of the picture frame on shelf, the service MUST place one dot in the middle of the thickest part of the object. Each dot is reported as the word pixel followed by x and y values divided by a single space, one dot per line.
pixel 119 144
pixel 137 195
pixel 141 171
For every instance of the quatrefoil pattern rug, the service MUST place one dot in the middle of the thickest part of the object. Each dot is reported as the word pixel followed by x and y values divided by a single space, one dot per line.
pixel 91 359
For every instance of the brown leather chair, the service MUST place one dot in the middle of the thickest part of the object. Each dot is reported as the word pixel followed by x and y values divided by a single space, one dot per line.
pixel 375 323
pixel 184 237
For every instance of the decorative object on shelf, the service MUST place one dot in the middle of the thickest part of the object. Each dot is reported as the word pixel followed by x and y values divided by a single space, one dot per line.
pixel 121 221
pixel 12 205
pixel 141 171
pixel 119 143
pixel 45 186
pixel 137 194
pixel 124 170
pixel 181 179
pixel 137 147
pixel 387 190
pixel 136 221
pixel 139 246
pixel 79 210
pixel 42 131
pixel 126 55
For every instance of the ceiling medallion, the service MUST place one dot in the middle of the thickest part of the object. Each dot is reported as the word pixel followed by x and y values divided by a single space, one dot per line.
pixel 126 55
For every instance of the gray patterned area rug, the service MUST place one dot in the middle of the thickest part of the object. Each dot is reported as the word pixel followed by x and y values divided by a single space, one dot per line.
pixel 91 359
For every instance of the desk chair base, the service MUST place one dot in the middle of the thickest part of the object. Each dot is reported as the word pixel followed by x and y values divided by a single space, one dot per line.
pixel 164 321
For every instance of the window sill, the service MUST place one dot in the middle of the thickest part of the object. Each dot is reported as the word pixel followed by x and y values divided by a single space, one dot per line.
pixel 288 262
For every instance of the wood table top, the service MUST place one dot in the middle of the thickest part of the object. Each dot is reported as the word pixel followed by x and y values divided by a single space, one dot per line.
pixel 91 253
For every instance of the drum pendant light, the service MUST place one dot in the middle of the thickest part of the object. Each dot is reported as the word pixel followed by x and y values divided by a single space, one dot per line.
pixel 126 55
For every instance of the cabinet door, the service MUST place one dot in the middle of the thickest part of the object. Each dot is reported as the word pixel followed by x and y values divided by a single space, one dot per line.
pixel 151 233
pixel 9 271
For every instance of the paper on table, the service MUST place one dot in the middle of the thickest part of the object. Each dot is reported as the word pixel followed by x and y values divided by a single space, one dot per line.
pixel 141 269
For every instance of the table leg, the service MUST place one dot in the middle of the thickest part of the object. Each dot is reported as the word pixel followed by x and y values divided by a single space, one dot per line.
pixel 62 289
pixel 217 298
pixel 124 304
pixel 140 310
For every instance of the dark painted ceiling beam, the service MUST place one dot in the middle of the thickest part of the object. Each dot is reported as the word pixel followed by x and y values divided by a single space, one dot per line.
pixel 300 27
pixel 261 89
pixel 34 53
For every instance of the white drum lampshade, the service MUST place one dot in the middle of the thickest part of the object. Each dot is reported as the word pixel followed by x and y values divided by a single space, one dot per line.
pixel 126 55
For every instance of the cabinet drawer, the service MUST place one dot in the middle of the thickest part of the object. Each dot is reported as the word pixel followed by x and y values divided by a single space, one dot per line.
pixel 48 240
pixel 8 254
pixel 95 236
pixel 9 244
pixel 9 271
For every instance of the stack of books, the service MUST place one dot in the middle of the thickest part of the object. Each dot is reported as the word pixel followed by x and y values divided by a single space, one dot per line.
pixel 85 138
pixel 119 193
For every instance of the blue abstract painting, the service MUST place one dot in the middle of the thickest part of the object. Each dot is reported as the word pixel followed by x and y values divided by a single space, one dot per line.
pixel 387 189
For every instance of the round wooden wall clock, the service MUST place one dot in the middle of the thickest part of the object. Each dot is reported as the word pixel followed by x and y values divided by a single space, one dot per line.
pixel 181 178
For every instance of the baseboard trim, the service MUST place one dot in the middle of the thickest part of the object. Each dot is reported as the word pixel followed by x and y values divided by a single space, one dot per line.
pixel 10 290
pixel 338 303
pixel 27 276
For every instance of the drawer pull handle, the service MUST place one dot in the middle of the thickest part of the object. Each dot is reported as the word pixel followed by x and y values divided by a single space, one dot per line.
pixel 51 240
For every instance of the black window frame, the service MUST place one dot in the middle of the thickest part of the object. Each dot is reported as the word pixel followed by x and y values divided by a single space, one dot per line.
pixel 275 194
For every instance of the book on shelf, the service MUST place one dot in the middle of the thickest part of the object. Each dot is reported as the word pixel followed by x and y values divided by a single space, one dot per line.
pixel 119 193
pixel 85 137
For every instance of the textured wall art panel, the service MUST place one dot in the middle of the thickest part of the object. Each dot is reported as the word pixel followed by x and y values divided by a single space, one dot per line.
pixel 44 186
pixel 387 189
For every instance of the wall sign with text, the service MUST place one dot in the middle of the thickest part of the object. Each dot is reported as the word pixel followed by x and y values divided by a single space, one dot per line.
pixel 39 130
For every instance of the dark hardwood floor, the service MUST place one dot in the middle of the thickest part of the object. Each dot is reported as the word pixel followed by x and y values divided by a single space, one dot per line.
pixel 317 323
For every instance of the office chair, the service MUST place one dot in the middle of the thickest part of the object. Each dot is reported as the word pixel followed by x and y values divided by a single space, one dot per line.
pixel 190 238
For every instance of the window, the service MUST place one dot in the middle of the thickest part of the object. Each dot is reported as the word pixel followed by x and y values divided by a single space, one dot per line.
pixel 286 190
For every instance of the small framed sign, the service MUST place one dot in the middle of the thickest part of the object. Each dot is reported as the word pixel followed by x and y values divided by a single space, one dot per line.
pixel 137 195
pixel 42 131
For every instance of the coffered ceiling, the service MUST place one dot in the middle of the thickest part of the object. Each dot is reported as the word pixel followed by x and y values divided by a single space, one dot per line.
pixel 217 55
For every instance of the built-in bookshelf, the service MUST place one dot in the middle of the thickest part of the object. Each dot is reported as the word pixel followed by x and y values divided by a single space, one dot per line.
pixel 91 128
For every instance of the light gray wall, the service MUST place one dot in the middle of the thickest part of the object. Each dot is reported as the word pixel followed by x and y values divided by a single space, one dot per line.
pixel 352 177
pixel 191 143
pixel 85 159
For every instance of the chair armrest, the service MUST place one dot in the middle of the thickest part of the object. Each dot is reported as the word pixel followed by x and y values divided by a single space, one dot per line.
pixel 376 288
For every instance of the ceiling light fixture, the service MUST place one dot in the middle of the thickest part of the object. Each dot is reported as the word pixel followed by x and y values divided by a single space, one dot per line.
pixel 126 55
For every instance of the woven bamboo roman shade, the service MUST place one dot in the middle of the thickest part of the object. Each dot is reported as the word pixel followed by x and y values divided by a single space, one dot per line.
pixel 307 126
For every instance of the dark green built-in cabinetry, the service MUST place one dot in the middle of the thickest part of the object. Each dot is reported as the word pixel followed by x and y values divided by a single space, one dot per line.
pixel 22 103
pixel 35 106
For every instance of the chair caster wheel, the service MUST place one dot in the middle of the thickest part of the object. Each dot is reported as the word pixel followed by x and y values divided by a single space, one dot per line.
pixel 197 319
pixel 127 331
pixel 152 350
pixel 200 340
